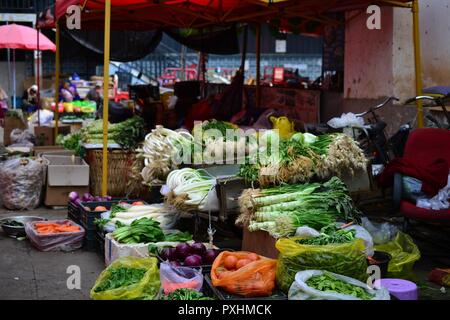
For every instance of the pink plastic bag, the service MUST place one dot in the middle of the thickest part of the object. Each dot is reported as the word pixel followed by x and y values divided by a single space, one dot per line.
pixel 66 241
pixel 173 278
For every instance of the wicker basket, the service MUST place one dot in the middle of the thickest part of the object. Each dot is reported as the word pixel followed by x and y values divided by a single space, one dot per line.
pixel 120 164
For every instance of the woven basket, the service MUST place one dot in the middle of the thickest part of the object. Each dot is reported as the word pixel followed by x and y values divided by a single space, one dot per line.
pixel 120 164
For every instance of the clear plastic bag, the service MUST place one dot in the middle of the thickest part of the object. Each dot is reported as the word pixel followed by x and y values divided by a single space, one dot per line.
pixel 146 289
pixel 21 138
pixel 21 182
pixel 346 120
pixel 173 278
pixel 67 241
pixel 380 232
pixel 301 291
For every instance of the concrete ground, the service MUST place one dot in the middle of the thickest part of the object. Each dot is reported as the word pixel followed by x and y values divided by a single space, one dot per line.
pixel 26 273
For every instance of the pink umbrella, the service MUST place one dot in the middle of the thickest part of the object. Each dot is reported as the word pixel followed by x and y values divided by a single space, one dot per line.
pixel 14 36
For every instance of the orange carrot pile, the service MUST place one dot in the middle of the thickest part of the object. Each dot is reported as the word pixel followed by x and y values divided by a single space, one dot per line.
pixel 49 227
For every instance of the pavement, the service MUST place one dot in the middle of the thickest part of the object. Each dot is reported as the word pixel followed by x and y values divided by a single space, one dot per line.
pixel 26 273
pixel 29 274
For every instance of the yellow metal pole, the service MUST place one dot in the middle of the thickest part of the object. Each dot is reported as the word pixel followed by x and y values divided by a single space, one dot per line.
pixel 258 65
pixel 417 61
pixel 57 75
pixel 106 97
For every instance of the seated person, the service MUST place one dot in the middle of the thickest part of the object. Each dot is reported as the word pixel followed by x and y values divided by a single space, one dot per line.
pixel 95 95
pixel 66 93
pixel 29 99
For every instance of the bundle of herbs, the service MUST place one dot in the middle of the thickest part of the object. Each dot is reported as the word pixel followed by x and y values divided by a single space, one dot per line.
pixel 281 210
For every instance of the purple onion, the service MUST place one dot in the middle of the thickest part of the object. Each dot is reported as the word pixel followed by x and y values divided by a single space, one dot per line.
pixel 73 196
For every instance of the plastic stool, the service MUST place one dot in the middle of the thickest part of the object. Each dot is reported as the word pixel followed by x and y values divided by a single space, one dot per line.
pixel 399 288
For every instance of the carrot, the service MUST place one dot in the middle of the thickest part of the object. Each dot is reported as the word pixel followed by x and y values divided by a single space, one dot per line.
pixel 48 227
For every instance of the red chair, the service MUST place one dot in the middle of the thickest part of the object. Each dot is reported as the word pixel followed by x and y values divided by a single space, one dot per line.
pixel 423 146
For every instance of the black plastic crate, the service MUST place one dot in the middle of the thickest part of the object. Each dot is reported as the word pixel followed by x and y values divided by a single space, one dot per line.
pixel 100 239
pixel 90 245
pixel 73 212
pixel 222 295
pixel 87 218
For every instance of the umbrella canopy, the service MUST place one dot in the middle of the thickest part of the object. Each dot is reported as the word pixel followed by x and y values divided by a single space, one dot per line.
pixel 14 36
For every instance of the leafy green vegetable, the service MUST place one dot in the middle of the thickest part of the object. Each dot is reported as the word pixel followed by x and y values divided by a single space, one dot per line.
pixel 185 294
pixel 11 223
pixel 328 283
pixel 72 142
pixel 281 210
pixel 346 259
pixel 178 237
pixel 144 230
pixel 218 125
pixel 330 234
pixel 121 277
pixel 129 132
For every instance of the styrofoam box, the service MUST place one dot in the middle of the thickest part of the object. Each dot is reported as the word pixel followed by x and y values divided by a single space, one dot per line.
pixel 66 170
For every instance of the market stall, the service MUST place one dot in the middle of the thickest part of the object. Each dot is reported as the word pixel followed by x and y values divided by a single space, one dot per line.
pixel 290 192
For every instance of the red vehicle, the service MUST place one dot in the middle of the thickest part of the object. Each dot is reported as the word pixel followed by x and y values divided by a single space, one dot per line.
pixel 172 75
pixel 280 76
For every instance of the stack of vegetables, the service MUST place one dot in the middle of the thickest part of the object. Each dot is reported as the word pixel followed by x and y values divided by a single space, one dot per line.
pixel 221 142
pixel 162 151
pixel 335 249
pixel 301 158
pixel 189 255
pixel 127 133
pixel 146 230
pixel 281 210
pixel 189 188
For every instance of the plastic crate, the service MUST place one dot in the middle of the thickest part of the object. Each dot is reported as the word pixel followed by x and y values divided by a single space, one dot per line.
pixel 73 212
pixel 100 239
pixel 222 295
pixel 90 245
pixel 87 218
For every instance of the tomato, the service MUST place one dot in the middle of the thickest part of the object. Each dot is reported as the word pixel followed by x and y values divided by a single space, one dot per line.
pixel 242 262
pixel 230 262
pixel 253 256
pixel 137 203
pixel 100 208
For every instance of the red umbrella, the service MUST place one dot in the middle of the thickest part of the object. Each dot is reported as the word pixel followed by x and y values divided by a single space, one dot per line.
pixel 14 36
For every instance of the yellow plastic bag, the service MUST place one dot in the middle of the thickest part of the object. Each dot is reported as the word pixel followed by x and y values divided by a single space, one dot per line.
pixel 404 254
pixel 146 288
pixel 347 259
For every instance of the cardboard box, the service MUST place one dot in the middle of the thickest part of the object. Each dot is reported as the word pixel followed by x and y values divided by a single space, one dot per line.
pixel 45 136
pixel 259 242
pixel 58 196
pixel 65 174
pixel 12 123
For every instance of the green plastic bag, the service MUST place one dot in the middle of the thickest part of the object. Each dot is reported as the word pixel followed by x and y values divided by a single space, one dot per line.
pixel 347 259
pixel 404 254
pixel 146 289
